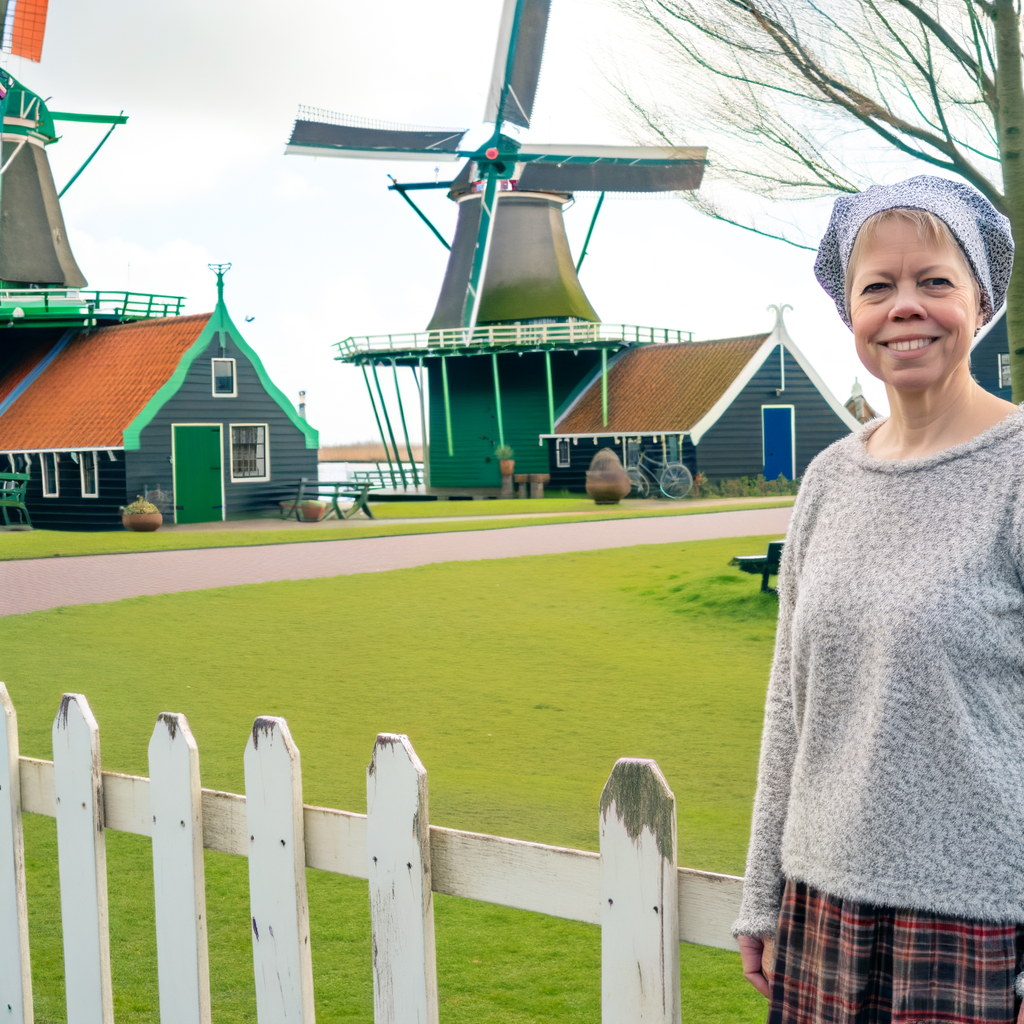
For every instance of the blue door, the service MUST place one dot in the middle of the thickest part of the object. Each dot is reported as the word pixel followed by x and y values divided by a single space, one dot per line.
pixel 777 435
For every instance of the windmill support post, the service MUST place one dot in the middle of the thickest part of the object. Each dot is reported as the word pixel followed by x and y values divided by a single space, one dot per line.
pixel 88 160
pixel 551 393
pixel 447 404
pixel 497 399
pixel 405 429
pixel 380 429
pixel 419 213
pixel 387 421
pixel 604 387
pixel 590 231
pixel 423 425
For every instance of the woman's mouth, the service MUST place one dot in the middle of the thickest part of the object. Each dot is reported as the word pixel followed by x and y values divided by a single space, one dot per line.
pixel 909 345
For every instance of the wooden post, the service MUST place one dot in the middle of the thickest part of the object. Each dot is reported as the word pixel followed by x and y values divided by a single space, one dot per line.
pixel 15 970
pixel 82 861
pixel 176 805
pixel 639 900
pixel 277 875
pixel 401 901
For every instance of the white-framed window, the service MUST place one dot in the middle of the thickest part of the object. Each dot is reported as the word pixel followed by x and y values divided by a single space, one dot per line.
pixel 1004 370
pixel 50 474
pixel 562 449
pixel 89 468
pixel 250 456
pixel 225 383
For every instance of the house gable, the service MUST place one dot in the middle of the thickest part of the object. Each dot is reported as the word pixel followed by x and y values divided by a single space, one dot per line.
pixel 218 323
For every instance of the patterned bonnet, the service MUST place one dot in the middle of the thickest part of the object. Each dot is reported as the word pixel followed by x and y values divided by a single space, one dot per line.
pixel 982 231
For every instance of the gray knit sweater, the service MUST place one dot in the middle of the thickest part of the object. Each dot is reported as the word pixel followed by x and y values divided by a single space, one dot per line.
pixel 892 760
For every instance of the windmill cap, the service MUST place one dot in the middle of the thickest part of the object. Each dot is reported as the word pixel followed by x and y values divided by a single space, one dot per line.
pixel 980 230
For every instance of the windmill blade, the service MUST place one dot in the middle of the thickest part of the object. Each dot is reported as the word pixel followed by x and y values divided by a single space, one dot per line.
pixel 611 168
pixel 321 133
pixel 523 26
pixel 24 23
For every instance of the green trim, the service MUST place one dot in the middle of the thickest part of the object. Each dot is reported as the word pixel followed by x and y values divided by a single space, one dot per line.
pixel 61 115
pixel 219 321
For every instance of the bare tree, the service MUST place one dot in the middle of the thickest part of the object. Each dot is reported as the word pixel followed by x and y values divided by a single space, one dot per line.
pixel 801 99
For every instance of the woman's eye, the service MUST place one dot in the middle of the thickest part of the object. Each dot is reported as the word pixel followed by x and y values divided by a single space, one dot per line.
pixel 937 282
pixel 874 288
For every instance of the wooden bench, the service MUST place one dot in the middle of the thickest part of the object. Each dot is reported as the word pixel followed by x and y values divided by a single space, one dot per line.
pixel 12 496
pixel 536 482
pixel 315 490
pixel 763 565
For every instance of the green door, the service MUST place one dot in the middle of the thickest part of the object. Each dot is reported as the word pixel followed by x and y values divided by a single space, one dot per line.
pixel 198 475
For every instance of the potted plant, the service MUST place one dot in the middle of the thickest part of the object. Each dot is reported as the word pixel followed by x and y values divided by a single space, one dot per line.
pixel 506 458
pixel 141 516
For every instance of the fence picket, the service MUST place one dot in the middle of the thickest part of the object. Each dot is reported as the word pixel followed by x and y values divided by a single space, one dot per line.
pixel 639 898
pixel 82 862
pixel 15 970
pixel 175 800
pixel 277 875
pixel 401 901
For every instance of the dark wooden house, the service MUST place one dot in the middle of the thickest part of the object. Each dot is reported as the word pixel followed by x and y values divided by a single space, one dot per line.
pixel 178 409
pixel 990 357
pixel 728 408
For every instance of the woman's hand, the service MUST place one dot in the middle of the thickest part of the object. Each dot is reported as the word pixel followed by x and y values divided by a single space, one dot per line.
pixel 1020 1016
pixel 756 955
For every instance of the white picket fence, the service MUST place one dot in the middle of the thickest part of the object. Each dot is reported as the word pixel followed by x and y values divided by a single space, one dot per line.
pixel 632 888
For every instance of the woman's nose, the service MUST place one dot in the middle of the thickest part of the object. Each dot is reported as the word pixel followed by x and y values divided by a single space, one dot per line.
pixel 907 306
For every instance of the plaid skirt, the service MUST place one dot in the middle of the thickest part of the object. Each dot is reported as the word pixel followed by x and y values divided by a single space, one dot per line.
pixel 840 962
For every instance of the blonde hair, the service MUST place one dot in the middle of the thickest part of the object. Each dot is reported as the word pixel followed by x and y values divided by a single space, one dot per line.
pixel 931 230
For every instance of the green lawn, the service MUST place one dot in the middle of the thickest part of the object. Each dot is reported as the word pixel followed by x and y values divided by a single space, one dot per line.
pixel 519 681
pixel 51 543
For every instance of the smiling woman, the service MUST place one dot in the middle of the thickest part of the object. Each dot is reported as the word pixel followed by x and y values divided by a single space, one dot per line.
pixel 885 875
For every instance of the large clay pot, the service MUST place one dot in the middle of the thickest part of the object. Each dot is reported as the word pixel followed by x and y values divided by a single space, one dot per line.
pixel 607 482
pixel 508 466
pixel 143 522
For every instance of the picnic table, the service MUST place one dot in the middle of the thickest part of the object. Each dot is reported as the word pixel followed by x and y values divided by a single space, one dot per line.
pixel 331 491
pixel 763 565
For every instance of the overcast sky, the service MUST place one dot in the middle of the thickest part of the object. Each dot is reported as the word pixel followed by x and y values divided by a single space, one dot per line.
pixel 320 249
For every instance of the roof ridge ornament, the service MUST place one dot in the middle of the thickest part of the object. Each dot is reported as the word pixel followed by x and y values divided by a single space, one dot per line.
pixel 780 312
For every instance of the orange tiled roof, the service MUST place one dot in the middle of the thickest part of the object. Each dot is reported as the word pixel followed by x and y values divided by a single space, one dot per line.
pixel 97 385
pixel 662 387
pixel 32 354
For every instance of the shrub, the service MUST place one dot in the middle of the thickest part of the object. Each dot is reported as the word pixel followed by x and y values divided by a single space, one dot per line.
pixel 140 507
pixel 504 451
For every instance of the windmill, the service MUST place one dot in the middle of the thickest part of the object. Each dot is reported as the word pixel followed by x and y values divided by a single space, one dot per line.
pixel 509 263
pixel 40 280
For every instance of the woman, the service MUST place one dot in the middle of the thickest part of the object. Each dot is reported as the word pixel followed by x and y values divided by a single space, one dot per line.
pixel 886 861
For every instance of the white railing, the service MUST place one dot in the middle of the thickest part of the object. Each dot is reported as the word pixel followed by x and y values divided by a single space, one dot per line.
pixel 564 335
pixel 632 888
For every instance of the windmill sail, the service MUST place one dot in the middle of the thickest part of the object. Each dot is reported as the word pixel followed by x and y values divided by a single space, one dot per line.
pixel 320 133
pixel 612 168
pixel 517 61
pixel 24 24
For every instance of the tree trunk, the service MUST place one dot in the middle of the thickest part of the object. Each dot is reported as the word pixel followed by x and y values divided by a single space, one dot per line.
pixel 1010 127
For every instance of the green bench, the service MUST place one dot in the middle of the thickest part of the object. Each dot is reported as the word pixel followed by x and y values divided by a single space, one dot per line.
pixel 12 496
pixel 762 565
pixel 331 491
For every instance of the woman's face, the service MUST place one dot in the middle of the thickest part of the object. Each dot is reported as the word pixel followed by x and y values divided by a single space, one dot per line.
pixel 914 309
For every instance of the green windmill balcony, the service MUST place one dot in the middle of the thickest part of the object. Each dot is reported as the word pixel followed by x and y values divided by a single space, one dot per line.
pixel 498 338
pixel 76 307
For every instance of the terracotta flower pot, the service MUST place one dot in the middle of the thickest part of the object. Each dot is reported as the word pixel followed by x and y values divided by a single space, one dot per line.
pixel 607 482
pixel 508 466
pixel 312 511
pixel 142 522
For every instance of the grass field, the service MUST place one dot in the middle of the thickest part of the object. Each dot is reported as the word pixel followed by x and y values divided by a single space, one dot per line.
pixel 53 543
pixel 519 682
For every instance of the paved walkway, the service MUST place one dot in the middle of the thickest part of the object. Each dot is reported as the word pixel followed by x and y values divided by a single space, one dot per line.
pixel 34 584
